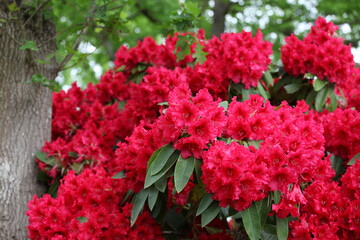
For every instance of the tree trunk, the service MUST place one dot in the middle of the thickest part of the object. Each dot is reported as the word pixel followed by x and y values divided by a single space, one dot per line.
pixel 25 114
pixel 220 10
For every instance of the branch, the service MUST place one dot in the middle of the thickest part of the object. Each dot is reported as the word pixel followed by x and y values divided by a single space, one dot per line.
pixel 79 38
pixel 41 6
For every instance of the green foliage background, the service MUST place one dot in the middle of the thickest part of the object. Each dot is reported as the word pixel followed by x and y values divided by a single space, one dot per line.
pixel 100 27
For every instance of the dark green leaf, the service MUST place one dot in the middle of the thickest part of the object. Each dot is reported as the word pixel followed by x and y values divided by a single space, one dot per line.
pixel 318 84
pixel 29 45
pixel 73 154
pixel 337 165
pixel 252 222
pixel 43 177
pixel 152 158
pixel 268 78
pixel 183 171
pixel 153 195
pixel 292 88
pixel 161 184
pixel 321 99
pixel 151 179
pixel 263 210
pixel 126 197
pixel 53 189
pixel 333 100
pixel 204 203
pixel 82 219
pixel 48 160
pixel 269 232
pixel 210 213
pixel 138 206
pixel 175 220
pixel 353 160
pixel 120 174
pixel 311 97
pixel 198 170
pixel 282 228
pixel 161 159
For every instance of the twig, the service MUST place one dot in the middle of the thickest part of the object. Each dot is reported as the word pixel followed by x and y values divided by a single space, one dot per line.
pixel 42 5
pixel 78 40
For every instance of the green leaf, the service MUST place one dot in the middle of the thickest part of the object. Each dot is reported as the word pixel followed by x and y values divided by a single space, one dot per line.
pixel 184 48
pixel 255 143
pixel 161 159
pixel 198 170
pixel 269 232
pixel 183 171
pixel 82 219
pixel 193 8
pixel 73 154
pixel 121 105
pixel 333 99
pixel 321 99
pixel 53 189
pixel 119 175
pixel 13 7
pixel 163 104
pixel 77 167
pixel 175 220
pixel 268 78
pixel 337 165
pixel 151 179
pixel 343 96
pixel 138 206
pixel 311 97
pixel 262 90
pixel 263 210
pixel 282 228
pixel 199 54
pixel 43 158
pixel 29 45
pixel 210 213
pixel 204 203
pixel 224 104
pixel 292 88
pixel 43 177
pixel 153 156
pixel 153 195
pixel 318 84
pixel 353 160
pixel 161 184
pixel 252 222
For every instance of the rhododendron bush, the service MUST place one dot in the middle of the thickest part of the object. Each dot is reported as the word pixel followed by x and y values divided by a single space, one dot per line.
pixel 200 139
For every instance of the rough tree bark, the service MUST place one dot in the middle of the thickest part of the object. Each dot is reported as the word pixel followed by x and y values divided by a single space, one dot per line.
pixel 25 113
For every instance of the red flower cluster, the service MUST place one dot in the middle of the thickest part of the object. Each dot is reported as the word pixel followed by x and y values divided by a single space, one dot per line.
pixel 291 153
pixel 320 53
pixel 342 132
pixel 197 120
pixel 89 123
pixel 351 89
pixel 88 207
pixel 332 211
pixel 239 57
